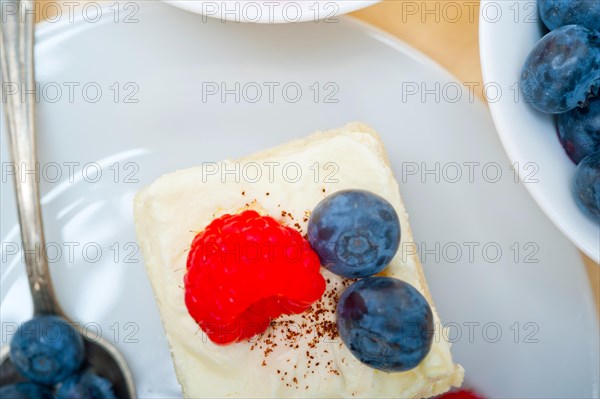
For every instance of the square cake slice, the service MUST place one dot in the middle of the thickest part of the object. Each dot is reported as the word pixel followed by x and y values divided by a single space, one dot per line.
pixel 299 355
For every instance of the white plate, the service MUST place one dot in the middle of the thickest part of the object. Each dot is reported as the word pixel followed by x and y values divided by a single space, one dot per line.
pixel 170 127
pixel 285 11
pixel 508 32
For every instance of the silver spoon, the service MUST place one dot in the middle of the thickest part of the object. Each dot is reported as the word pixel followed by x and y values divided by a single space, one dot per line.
pixel 17 66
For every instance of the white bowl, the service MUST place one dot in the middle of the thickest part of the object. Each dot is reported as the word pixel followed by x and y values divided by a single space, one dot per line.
pixel 282 11
pixel 508 32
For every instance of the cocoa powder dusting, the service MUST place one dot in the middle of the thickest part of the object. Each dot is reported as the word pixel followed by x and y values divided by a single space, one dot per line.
pixel 316 325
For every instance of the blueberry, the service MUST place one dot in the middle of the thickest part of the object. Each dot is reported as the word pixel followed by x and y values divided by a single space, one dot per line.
pixel 563 70
pixel 386 323
pixel 86 385
pixel 355 233
pixel 579 130
pixel 557 13
pixel 586 186
pixel 46 349
pixel 25 390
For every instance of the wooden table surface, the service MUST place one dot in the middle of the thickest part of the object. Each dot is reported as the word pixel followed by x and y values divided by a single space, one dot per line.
pixel 451 41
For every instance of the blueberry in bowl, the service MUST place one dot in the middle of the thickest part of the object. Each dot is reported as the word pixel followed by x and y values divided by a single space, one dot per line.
pixel 579 130
pixel 563 70
pixel 356 233
pixel 586 186
pixel 386 323
pixel 557 13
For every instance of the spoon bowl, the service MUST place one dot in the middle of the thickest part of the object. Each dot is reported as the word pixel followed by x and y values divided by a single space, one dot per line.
pixel 100 356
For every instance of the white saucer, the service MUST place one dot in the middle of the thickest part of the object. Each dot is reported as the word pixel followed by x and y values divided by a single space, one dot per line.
pixel 162 62
pixel 272 11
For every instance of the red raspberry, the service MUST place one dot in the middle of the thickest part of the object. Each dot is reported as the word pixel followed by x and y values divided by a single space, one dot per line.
pixel 461 394
pixel 245 270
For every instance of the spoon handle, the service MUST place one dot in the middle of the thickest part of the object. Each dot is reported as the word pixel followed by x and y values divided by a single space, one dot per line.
pixel 17 69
